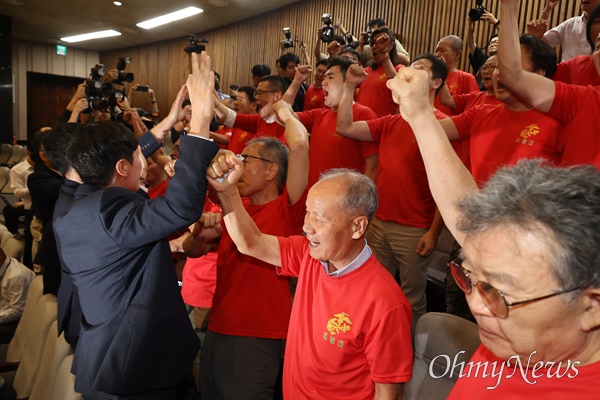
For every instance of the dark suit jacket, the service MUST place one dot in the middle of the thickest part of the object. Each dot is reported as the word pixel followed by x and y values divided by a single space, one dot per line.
pixel 69 309
pixel 44 185
pixel 136 336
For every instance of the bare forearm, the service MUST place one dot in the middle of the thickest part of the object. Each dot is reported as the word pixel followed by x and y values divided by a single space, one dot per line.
pixel 389 69
pixel 290 94
pixel 344 115
pixel 449 180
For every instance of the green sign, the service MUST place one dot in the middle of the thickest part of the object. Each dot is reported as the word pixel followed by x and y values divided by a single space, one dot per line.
pixel 61 50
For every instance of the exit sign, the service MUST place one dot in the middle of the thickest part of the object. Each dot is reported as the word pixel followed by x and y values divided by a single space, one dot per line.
pixel 61 50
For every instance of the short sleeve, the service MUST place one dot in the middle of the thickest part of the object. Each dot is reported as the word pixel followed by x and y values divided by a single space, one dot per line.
pixel 388 347
pixel 376 127
pixel 291 252
pixel 464 122
pixel 247 122
pixel 307 118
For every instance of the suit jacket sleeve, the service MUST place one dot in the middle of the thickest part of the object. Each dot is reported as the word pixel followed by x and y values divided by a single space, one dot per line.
pixel 133 221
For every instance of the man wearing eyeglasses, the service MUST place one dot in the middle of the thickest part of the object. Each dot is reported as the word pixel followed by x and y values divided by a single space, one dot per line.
pixel 349 335
pixel 251 306
pixel 530 263
pixel 269 91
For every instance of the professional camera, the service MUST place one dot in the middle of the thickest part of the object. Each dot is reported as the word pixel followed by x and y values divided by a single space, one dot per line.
pixel 327 35
pixel 476 13
pixel 97 72
pixel 288 42
pixel 195 45
pixel 97 93
pixel 123 76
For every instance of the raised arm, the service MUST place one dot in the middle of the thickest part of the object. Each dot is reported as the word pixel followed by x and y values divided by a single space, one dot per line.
pixel 296 138
pixel 534 89
pixel 358 130
pixel 240 226
pixel 175 114
pixel 449 180
pixel 302 73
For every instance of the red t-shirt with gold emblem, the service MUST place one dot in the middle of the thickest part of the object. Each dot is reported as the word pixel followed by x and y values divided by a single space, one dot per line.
pixel 458 82
pixel 313 98
pixel 502 137
pixel 375 94
pixel 329 149
pixel 345 333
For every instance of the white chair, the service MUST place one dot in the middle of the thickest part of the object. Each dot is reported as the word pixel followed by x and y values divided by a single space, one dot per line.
pixel 64 385
pixel 439 338
pixel 55 351
pixel 16 155
pixel 13 352
pixel 45 313
pixel 5 152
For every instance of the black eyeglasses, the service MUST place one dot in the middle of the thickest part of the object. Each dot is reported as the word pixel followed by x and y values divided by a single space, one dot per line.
pixel 493 299
pixel 260 92
pixel 246 156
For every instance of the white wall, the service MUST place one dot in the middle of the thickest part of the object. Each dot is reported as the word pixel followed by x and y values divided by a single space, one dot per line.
pixel 41 57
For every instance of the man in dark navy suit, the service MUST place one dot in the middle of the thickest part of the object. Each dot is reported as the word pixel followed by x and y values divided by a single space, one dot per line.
pixel 136 338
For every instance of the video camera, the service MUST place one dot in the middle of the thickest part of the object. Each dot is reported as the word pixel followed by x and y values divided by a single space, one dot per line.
pixel 327 35
pixel 195 45
pixel 476 13
pixel 96 91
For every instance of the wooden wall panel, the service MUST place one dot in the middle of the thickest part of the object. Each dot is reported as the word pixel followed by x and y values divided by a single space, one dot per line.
pixel 235 48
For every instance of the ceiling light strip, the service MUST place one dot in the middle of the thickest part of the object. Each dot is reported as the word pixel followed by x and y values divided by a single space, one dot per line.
pixel 174 16
pixel 92 35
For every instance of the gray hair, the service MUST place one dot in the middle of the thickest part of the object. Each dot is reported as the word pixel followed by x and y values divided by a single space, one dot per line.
pixel 361 193
pixel 456 43
pixel 534 196
pixel 274 150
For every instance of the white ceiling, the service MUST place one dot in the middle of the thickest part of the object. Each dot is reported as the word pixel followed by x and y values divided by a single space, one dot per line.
pixel 49 20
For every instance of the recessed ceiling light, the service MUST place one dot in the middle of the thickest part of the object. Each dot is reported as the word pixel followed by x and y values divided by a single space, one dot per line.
pixel 174 16
pixel 92 35
pixel 117 3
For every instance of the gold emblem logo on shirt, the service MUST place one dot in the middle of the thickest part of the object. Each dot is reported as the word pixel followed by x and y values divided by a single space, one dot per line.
pixel 243 135
pixel 339 324
pixel 453 88
pixel 314 98
pixel 382 77
pixel 528 132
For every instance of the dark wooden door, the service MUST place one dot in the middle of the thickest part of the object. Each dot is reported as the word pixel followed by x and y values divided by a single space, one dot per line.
pixel 47 97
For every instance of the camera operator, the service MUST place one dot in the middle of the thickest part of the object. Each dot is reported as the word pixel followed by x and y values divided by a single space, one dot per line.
pixel 137 88
pixel 477 57
pixel 365 49
pixel 334 46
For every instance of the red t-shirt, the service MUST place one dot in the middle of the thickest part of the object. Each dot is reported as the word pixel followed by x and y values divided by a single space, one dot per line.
pixel 250 298
pixel 345 333
pixel 464 102
pixel 578 71
pixel 313 98
pixel 458 82
pixel 238 140
pixel 374 93
pixel 503 137
pixel 404 196
pixel 255 124
pixel 564 381
pixel 329 149
pixel 159 190
pixel 578 108
pixel 199 276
